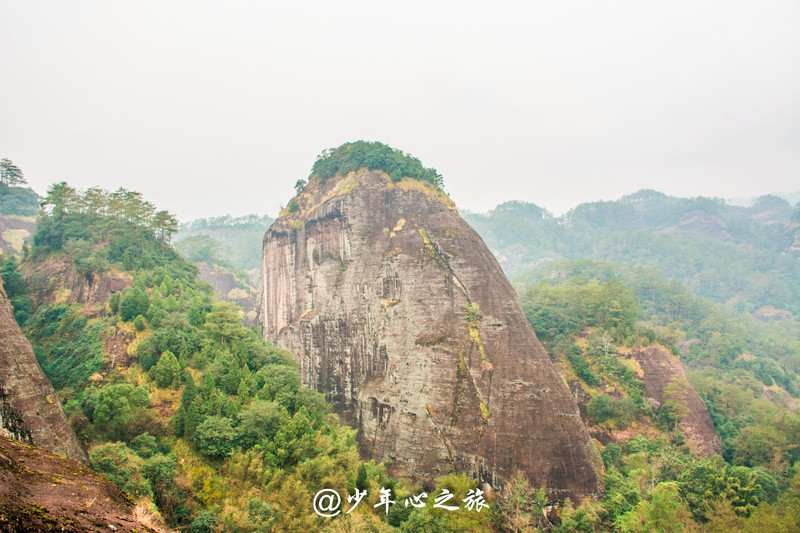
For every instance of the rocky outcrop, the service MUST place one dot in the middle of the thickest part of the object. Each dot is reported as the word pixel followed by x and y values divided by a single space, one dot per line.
pixel 29 407
pixel 226 287
pixel 14 231
pixel 400 315
pixel 55 280
pixel 660 368
pixel 42 492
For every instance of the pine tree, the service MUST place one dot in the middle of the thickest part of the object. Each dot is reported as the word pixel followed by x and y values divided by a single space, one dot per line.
pixel 167 369
pixel 189 392
pixel 191 421
pixel 10 174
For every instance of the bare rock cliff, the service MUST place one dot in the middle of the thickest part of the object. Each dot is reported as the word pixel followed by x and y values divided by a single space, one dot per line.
pixel 29 407
pixel 401 316
pixel 662 367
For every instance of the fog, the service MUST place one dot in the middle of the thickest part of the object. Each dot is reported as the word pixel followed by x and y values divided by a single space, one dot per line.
pixel 211 108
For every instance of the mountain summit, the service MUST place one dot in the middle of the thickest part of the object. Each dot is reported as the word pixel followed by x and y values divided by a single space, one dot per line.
pixel 400 315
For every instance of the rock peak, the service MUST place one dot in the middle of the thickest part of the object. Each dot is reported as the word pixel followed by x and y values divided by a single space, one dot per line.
pixel 400 315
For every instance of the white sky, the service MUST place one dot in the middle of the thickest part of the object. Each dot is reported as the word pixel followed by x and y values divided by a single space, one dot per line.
pixel 211 108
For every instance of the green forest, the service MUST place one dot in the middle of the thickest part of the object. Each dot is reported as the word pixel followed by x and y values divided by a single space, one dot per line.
pixel 589 314
pixel 353 156
pixel 230 242
pixel 726 253
pixel 204 421
pixel 15 198
pixel 210 428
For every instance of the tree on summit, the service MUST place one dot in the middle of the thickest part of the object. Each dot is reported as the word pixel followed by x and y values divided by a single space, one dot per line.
pixel 10 174
pixel 350 157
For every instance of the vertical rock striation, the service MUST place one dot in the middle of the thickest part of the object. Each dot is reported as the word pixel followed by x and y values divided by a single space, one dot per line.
pixel 29 407
pixel 400 315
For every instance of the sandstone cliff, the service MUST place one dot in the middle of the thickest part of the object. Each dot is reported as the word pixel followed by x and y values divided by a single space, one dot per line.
pixel 29 407
pixel 55 280
pixel 227 287
pixel 660 367
pixel 398 312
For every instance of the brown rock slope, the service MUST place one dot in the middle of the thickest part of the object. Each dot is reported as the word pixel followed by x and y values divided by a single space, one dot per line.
pixel 29 407
pixel 57 280
pixel 398 312
pixel 660 367
pixel 42 492
pixel 227 287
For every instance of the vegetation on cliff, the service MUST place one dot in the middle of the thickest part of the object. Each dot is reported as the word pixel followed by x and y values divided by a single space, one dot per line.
pixel 98 228
pixel 590 315
pixel 353 156
pixel 196 417
pixel 209 426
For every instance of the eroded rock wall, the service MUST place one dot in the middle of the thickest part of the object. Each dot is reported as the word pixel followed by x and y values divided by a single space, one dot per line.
pixel 29 407
pixel 227 287
pixel 400 315
pixel 56 280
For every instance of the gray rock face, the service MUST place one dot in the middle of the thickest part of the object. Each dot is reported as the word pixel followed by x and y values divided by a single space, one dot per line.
pixel 400 315
pixel 29 407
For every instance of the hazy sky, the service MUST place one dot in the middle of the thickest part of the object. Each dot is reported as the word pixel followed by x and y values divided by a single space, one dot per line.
pixel 219 107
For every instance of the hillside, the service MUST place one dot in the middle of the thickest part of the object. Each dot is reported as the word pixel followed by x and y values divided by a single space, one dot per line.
pixel 666 380
pixel 207 427
pixel 18 201
pixel 197 419
pixel 737 253
pixel 18 208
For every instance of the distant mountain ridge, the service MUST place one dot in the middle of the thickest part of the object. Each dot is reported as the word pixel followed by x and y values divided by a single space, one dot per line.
pixel 236 240
pixel 739 255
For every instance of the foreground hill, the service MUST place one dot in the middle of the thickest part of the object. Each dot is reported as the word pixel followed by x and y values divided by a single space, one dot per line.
pixel 196 418
pixel 42 492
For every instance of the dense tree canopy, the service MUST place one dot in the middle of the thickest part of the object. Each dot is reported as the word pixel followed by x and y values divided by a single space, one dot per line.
pixel 212 425
pixel 353 156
